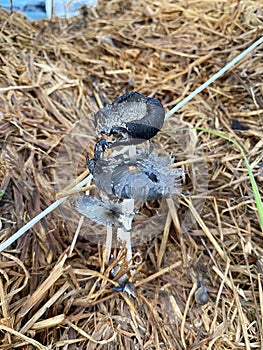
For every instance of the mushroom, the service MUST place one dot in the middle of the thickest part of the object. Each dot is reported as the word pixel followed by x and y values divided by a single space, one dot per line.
pixel 143 177
pixel 108 213
pixel 201 295
pixel 103 212
pixel 132 118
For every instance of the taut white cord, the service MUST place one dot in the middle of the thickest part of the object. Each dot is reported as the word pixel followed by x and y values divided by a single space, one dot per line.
pixel 214 77
pixel 40 216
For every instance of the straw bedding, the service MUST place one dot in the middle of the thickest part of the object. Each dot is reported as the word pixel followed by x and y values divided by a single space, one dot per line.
pixel 53 76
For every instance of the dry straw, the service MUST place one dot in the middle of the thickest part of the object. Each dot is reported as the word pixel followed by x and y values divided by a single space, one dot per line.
pixel 55 291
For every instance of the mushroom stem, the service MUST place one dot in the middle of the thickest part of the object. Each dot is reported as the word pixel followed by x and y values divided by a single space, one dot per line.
pixel 124 235
pixel 108 244
pixel 132 151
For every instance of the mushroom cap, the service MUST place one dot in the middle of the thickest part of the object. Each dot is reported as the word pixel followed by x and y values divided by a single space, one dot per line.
pixel 201 296
pixel 135 116
pixel 103 212
pixel 144 177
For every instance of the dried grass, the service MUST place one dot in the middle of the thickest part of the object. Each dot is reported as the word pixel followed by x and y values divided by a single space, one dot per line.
pixel 52 75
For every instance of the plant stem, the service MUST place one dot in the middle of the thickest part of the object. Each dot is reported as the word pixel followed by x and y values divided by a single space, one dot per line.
pixel 254 185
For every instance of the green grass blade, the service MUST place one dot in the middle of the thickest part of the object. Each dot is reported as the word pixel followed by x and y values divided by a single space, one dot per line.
pixel 254 185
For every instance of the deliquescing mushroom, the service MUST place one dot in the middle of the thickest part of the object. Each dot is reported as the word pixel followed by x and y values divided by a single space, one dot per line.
pixel 132 118
pixel 141 175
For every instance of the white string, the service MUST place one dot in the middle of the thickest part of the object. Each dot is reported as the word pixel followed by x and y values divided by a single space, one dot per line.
pixel 214 77
pixel 53 206
pixel 40 216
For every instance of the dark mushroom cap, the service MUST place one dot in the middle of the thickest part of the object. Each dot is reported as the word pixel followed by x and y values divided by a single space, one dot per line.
pixel 201 296
pixel 133 117
pixel 145 177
